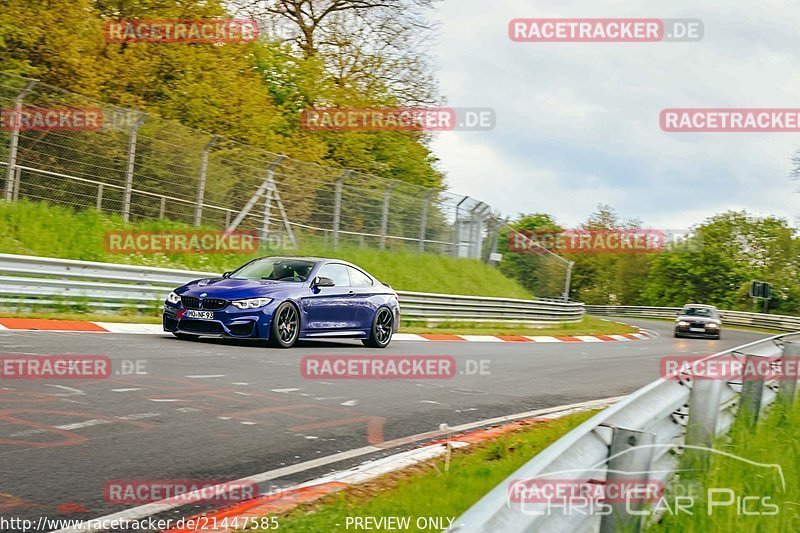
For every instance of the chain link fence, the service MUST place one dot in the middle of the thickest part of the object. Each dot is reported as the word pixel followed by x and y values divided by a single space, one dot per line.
pixel 146 168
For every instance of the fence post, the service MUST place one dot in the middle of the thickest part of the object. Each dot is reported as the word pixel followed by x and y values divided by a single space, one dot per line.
pixel 99 204
pixel 752 392
pixel 12 149
pixel 788 387
pixel 337 205
pixel 201 184
pixel 162 209
pixel 629 461
pixel 385 218
pixel 126 201
pixel 424 218
pixel 17 180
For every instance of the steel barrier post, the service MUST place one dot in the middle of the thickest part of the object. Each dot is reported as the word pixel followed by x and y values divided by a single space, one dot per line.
pixel 788 387
pixel 701 428
pixel 752 393
pixel 629 461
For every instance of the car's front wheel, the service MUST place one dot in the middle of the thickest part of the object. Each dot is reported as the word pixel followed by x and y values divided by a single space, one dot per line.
pixel 382 328
pixel 285 327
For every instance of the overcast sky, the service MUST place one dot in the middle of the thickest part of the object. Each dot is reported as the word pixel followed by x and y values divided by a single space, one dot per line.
pixel 578 123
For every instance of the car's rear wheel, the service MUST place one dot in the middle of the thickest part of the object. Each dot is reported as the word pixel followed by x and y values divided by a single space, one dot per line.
pixel 186 336
pixel 382 328
pixel 285 327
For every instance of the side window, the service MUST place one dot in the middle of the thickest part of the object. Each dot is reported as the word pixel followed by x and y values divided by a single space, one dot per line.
pixel 338 273
pixel 358 278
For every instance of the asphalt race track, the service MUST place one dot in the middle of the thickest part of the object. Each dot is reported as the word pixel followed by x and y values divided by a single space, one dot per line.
pixel 214 410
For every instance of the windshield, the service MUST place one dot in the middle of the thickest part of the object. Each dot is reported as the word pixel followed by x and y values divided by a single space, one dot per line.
pixel 697 311
pixel 275 269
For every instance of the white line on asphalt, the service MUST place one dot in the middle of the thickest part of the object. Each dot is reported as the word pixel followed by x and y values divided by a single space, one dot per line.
pixel 72 392
pixel 85 424
pixel 143 511
pixel 163 400
pixel 285 390
pixel 124 390
pixel 207 376
pixel 138 416
pixel 349 403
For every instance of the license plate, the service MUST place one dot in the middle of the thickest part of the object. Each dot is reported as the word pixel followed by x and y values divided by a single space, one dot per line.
pixel 697 330
pixel 202 315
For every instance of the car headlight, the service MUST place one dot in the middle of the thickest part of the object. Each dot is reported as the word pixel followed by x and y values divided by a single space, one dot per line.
pixel 683 323
pixel 712 325
pixel 252 303
pixel 173 298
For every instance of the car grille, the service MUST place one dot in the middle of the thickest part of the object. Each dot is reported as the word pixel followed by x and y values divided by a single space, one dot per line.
pixel 201 326
pixel 697 324
pixel 209 304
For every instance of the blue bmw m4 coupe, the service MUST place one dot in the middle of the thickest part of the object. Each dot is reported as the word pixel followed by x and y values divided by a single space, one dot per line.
pixel 283 299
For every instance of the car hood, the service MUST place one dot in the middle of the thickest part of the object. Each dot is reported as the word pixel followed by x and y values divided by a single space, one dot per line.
pixel 234 288
pixel 698 319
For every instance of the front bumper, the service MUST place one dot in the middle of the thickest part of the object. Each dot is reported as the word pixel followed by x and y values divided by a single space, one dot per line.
pixel 686 331
pixel 229 322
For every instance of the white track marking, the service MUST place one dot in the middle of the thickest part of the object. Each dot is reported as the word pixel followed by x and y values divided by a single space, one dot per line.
pixel 206 376
pixel 79 425
pixel 543 338
pixel 350 403
pixel 284 390
pixel 124 390
pixel 143 511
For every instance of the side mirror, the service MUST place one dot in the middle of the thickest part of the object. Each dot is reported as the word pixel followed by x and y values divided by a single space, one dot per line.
pixel 226 274
pixel 321 281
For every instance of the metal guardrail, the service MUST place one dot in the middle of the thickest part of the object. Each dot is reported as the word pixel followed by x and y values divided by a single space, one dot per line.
pixel 731 318
pixel 646 432
pixel 31 281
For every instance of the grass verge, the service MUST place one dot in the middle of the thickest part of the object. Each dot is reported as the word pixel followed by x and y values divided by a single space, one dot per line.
pixel 754 497
pixel 34 228
pixel 588 326
pixel 427 489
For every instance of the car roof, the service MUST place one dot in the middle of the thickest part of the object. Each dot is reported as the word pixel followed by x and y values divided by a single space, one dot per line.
pixel 311 259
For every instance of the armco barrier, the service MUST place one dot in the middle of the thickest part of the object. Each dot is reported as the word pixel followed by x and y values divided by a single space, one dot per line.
pixel 731 318
pixel 37 281
pixel 641 437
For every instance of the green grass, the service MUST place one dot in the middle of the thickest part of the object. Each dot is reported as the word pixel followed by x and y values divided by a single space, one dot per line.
pixel 588 326
pixel 774 441
pixel 427 489
pixel 52 231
